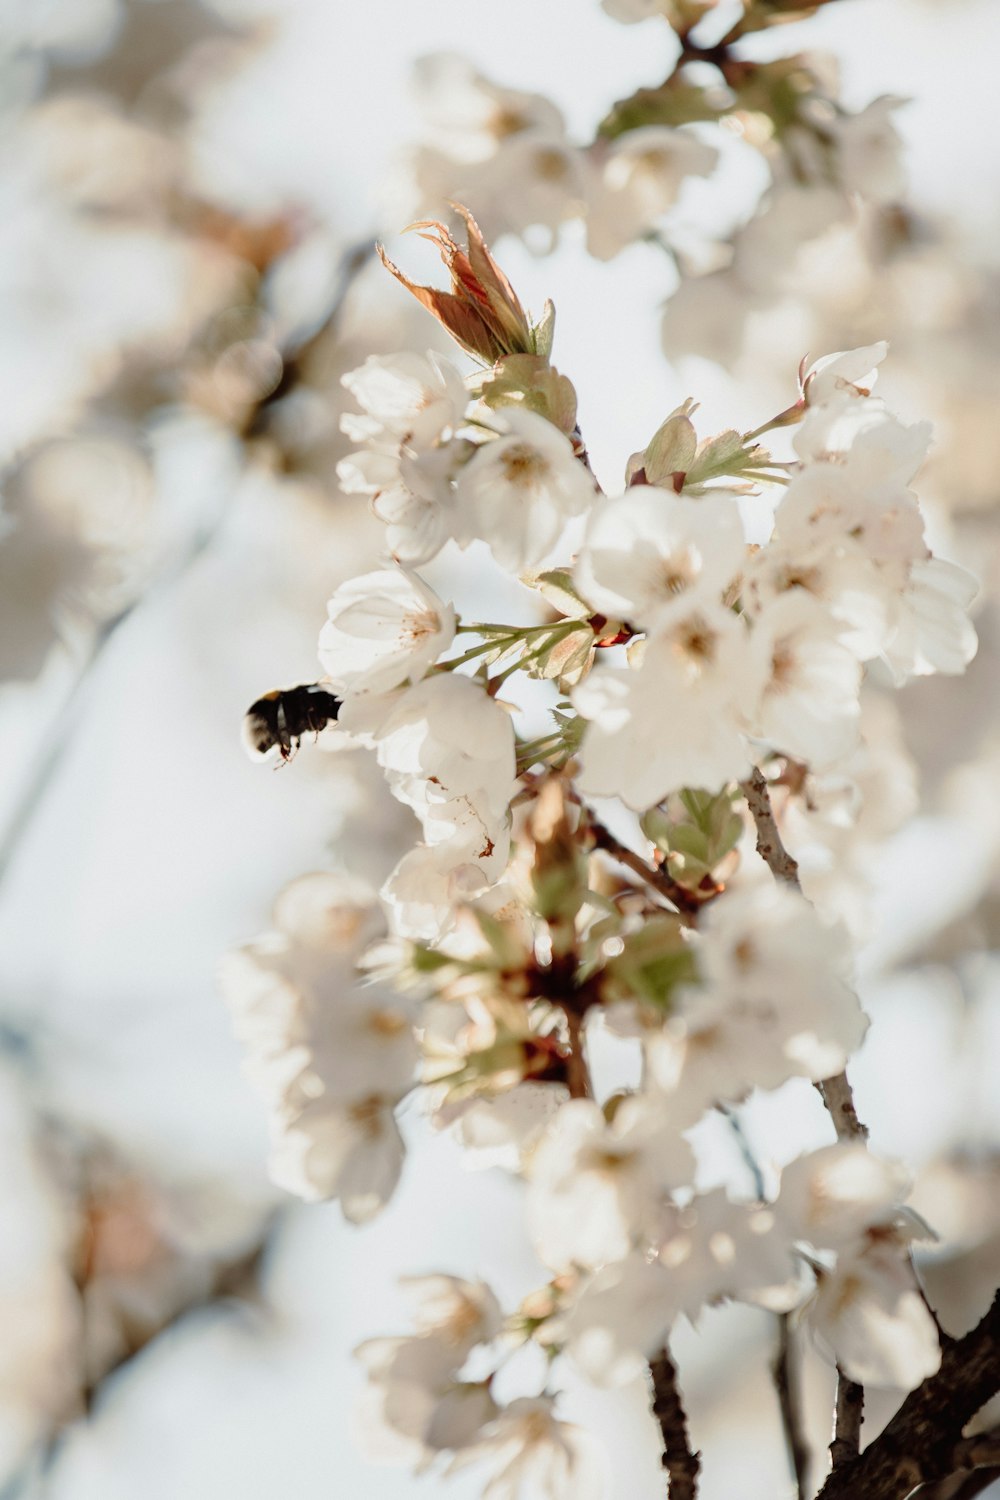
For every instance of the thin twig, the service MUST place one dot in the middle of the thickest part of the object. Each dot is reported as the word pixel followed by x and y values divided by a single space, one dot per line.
pixel 750 1161
pixel 848 1416
pixel 769 843
pixel 836 1094
pixel 687 905
pixel 682 1465
pixel 784 1371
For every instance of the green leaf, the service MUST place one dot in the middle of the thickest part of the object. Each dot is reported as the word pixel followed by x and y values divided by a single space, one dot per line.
pixel 675 102
pixel 559 588
pixel 564 656
pixel 655 959
pixel 696 831
pixel 726 455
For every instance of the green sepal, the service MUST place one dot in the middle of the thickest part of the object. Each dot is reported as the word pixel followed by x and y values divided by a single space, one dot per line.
pixel 530 382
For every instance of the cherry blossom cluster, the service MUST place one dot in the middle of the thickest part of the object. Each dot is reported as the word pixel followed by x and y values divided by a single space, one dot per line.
pixel 704 636
pixel 509 155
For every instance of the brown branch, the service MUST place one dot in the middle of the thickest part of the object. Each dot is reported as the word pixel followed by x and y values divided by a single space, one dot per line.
pixel 979 1452
pixel 975 1463
pixel 921 1443
pixel 681 1464
pixel 577 1072
pixel 687 904
pixel 784 1372
pixel 769 843
pixel 839 1100
pixel 836 1094
pixel 962 1486
pixel 848 1416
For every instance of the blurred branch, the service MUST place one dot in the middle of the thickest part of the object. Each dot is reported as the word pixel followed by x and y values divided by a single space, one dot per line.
pixel 236 1280
pixel 923 1442
pixel 296 359
pixel 836 1094
pixel 784 1368
pixel 784 1372
pixel 681 1464
pixel 46 765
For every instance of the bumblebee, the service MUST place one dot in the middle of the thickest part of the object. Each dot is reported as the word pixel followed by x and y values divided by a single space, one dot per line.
pixel 278 720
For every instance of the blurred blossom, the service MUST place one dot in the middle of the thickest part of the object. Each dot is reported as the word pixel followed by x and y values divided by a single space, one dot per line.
pixel 75 520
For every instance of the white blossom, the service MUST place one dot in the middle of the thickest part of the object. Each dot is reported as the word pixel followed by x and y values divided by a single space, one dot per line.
pixel 536 180
pixel 415 1394
pixel 862 597
pixel 412 397
pixel 826 508
pixel 618 1318
pixel 636 179
pixel 353 1152
pixel 773 1004
pixel 595 1188
pixel 853 371
pixel 536 1456
pixel 503 1130
pixel 448 752
pixel 384 629
pixel 832 1196
pixel 768 244
pixel 933 631
pixel 870 1315
pixel 331 1054
pixel 412 405
pixel 647 549
pixel 707 317
pixel 800 690
pixel 471 116
pixel 672 721
pixel 713 1248
pixel 461 1314
pixel 870 151
pixel 518 490
pixel 432 880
